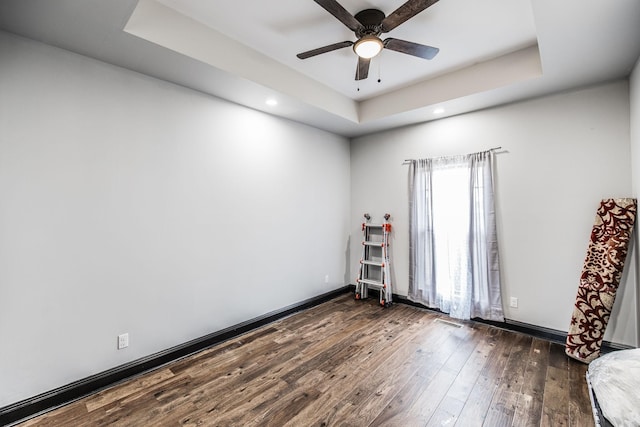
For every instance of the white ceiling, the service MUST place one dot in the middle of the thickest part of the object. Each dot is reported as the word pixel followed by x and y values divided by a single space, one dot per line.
pixel 491 52
pixel 486 29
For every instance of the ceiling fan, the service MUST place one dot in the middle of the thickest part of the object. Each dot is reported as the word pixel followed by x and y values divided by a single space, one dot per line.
pixel 367 26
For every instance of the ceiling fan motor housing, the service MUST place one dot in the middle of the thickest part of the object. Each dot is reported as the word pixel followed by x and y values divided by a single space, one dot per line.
pixel 371 20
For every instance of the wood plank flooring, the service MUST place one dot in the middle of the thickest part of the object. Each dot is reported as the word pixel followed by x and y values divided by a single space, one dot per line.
pixel 352 363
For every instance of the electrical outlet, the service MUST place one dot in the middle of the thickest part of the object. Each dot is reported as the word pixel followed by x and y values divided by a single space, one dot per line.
pixel 513 302
pixel 123 341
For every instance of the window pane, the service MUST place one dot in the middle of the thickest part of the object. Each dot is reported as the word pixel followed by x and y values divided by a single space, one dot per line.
pixel 450 187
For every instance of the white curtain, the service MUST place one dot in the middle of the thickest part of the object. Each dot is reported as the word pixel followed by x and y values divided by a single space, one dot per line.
pixel 454 263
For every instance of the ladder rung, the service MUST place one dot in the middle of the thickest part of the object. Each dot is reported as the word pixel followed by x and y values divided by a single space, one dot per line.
pixel 378 264
pixel 368 243
pixel 370 282
pixel 374 225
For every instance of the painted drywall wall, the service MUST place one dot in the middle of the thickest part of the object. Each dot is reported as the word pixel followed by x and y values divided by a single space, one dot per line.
pixel 560 156
pixel 634 136
pixel 132 205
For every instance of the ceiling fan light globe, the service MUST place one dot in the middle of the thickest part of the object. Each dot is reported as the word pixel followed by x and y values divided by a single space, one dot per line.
pixel 368 47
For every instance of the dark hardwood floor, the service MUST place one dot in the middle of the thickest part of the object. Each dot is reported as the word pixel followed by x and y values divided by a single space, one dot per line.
pixel 352 363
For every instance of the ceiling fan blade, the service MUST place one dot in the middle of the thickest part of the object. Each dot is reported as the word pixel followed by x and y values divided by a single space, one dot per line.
pixel 411 48
pixel 404 13
pixel 324 49
pixel 362 72
pixel 334 8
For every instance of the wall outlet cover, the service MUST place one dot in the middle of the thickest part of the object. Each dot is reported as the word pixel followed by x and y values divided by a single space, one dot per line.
pixel 123 341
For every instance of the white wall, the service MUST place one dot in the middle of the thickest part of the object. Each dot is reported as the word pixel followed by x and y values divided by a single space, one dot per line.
pixel 561 155
pixel 634 98
pixel 132 205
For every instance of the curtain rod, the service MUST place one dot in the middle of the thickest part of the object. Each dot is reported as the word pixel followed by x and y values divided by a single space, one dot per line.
pixel 490 149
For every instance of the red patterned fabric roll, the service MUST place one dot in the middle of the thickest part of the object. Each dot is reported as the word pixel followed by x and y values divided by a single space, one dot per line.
pixel 600 277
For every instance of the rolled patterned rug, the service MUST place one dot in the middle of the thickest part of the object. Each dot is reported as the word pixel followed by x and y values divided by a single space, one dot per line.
pixel 600 277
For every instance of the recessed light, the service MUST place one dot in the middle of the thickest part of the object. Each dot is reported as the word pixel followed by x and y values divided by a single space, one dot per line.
pixel 438 110
pixel 272 102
